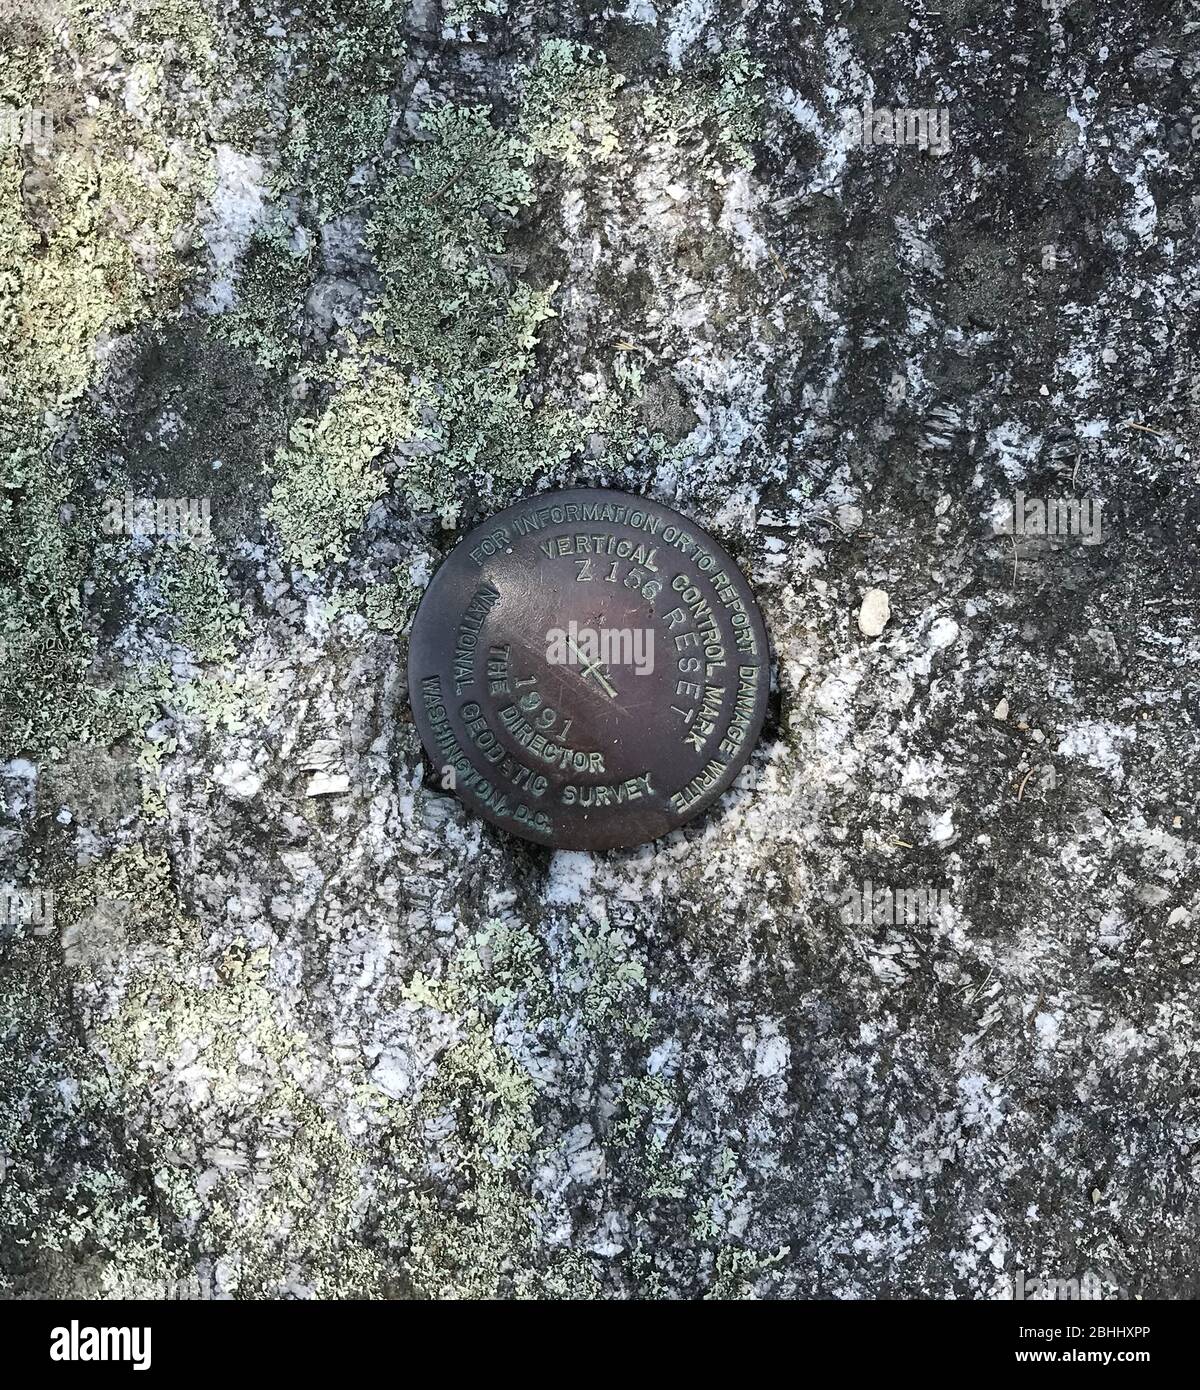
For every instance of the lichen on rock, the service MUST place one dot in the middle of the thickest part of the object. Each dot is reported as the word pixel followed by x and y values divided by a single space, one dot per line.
pixel 330 284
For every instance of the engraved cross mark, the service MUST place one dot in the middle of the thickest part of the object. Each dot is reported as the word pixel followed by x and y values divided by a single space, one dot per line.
pixel 593 669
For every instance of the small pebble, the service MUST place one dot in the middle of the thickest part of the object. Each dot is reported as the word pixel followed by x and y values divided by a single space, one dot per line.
pixel 874 614
pixel 944 633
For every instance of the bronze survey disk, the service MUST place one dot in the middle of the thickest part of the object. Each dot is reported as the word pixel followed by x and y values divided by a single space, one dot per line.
pixel 588 669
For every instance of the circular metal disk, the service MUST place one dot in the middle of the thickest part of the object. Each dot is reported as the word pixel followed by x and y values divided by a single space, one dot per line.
pixel 588 669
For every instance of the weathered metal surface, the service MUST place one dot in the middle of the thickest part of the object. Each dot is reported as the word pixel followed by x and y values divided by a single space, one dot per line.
pixel 588 670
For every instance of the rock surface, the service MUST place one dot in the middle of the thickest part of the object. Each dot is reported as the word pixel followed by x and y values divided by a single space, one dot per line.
pixel 915 1009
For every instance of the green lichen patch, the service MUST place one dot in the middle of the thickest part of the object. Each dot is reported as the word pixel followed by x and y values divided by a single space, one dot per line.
pixel 567 107
pixel 467 12
pixel 272 281
pixel 77 1201
pixel 344 58
pixel 737 1269
pixel 52 694
pixel 441 388
pixel 328 141
pixel 89 247
pixel 445 384
pixel 87 225
pixel 723 104
pixel 454 315
pixel 226 701
pixel 159 1007
pixel 469 1235
pixel 207 620
pixel 389 606
pixel 248 1068
pixel 331 472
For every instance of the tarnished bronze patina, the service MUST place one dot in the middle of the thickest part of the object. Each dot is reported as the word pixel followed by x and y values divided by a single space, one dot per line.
pixel 588 669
